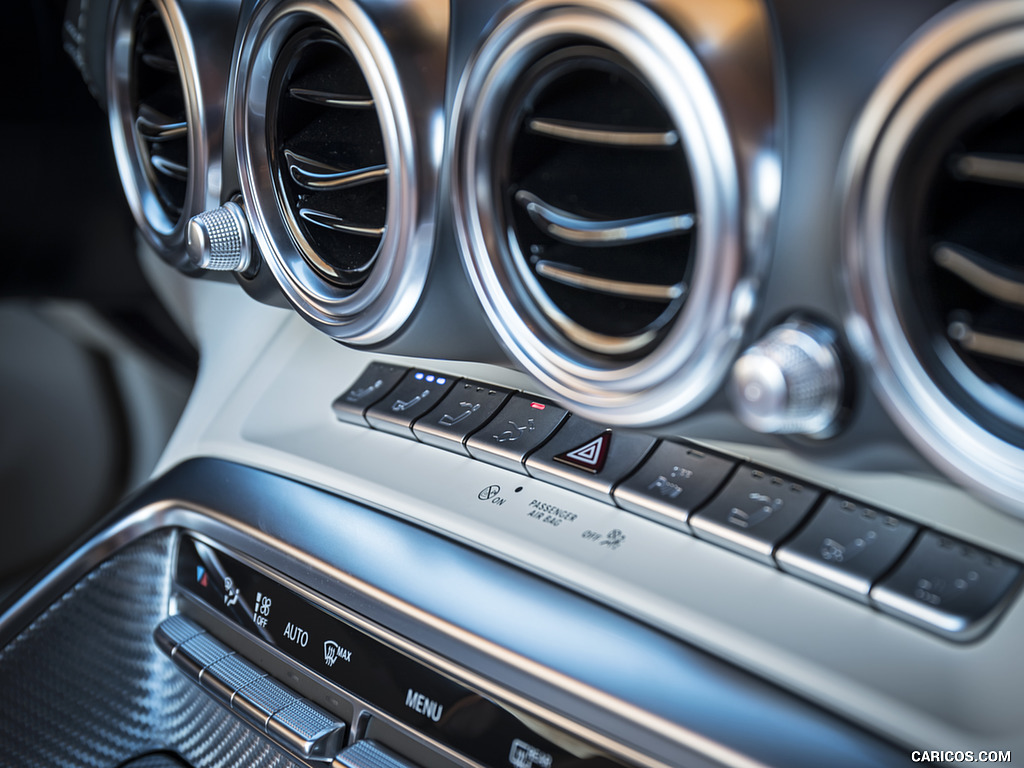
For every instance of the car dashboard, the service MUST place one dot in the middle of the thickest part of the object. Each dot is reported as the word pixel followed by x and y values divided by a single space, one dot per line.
pixel 581 382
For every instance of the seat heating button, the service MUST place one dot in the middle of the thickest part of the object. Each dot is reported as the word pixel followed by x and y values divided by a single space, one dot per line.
pixel 589 458
pixel 307 730
pixel 196 654
pixel 260 700
pixel 375 382
pixel 462 412
pixel 948 587
pixel 754 512
pixel 672 483
pixel 523 424
pixel 225 677
pixel 418 392
pixel 846 547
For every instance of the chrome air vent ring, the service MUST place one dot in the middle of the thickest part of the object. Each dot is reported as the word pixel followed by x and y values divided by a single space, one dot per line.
pixel 343 226
pixel 626 303
pixel 928 254
pixel 156 121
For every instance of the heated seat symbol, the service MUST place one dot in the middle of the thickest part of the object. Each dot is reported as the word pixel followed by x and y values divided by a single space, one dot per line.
pixel 767 506
pixel 468 410
pixel 403 405
pixel 358 394
pixel 511 435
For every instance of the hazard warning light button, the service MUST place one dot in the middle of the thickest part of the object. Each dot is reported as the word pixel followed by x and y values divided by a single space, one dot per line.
pixel 589 458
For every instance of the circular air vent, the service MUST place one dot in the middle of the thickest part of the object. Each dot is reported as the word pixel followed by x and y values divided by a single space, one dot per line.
pixel 327 154
pixel 596 190
pixel 153 118
pixel 599 206
pixel 934 233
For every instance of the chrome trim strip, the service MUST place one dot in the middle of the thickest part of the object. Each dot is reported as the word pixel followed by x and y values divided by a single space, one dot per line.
pixel 517 636
pixel 1010 350
pixel 968 266
pixel 338 224
pixel 314 175
pixel 603 135
pixel 577 230
pixel 993 169
pixel 959 45
pixel 328 99
pixel 567 275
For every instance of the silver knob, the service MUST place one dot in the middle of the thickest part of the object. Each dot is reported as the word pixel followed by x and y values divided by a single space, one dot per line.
pixel 219 239
pixel 790 381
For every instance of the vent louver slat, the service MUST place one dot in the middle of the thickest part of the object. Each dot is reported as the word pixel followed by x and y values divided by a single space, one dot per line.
pixel 577 230
pixel 329 99
pixel 990 168
pixel 169 168
pixel 980 273
pixel 600 201
pixel 160 111
pixel 331 169
pixel 603 135
pixel 314 175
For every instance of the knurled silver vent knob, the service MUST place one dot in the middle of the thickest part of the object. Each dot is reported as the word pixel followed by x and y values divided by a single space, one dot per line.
pixel 790 381
pixel 219 239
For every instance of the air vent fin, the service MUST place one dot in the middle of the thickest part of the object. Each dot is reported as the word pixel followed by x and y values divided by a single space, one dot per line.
pixel 599 201
pixel 328 149
pixel 160 112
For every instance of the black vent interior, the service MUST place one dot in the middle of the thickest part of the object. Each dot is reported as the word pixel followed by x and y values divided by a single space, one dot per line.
pixel 160 112
pixel 327 156
pixel 962 225
pixel 598 200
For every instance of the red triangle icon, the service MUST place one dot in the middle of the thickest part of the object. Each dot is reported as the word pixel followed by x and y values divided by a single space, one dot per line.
pixel 590 456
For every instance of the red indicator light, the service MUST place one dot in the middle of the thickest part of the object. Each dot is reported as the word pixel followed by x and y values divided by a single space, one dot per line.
pixel 538 406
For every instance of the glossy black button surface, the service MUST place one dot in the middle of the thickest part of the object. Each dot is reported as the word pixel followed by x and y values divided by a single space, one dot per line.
pixel 754 512
pixel 522 425
pixel 673 482
pixel 846 547
pixel 375 382
pixel 466 407
pixel 948 586
pixel 589 458
pixel 416 394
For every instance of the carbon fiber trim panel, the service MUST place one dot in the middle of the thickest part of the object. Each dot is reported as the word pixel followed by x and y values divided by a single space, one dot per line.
pixel 85 685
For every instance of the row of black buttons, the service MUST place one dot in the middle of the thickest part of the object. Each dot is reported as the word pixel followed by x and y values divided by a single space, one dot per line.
pixel 874 557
